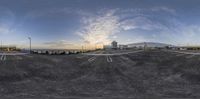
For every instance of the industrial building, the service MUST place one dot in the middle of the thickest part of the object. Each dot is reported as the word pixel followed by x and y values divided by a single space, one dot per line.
pixel 149 45
pixel 123 47
pixel 8 48
pixel 188 48
pixel 114 45
pixel 107 47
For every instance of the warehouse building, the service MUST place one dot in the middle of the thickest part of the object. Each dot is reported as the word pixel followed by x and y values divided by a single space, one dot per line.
pixel 113 45
pixel 123 47
pixel 8 48
pixel 188 48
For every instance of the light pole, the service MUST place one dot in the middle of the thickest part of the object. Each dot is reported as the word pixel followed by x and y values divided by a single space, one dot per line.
pixel 30 43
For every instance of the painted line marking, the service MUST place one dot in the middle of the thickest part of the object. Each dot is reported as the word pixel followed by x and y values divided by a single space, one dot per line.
pixel 106 54
pixel 180 54
pixel 190 56
pixel 91 59
pixel 109 59
pixel 3 57
pixel 125 58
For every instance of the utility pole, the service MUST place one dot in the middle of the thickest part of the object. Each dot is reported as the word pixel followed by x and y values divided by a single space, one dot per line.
pixel 30 44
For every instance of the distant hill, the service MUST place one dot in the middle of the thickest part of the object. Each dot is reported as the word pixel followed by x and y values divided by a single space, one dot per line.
pixel 149 44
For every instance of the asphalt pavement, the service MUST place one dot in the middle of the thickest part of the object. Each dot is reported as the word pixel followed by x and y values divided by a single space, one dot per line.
pixel 152 74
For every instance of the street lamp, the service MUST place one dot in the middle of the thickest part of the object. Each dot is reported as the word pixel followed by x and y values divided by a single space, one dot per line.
pixel 30 43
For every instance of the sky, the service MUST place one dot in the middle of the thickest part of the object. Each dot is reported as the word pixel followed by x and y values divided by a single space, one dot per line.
pixel 71 24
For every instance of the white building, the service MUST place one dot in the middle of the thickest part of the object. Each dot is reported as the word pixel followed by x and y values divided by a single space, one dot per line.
pixel 106 47
pixel 122 47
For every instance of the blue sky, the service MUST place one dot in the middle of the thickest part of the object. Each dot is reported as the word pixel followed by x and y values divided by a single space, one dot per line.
pixel 73 23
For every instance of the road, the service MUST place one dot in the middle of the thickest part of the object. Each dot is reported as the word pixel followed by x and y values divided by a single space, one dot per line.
pixel 108 55
pixel 152 74
pixel 104 53
pixel 12 54
pixel 3 55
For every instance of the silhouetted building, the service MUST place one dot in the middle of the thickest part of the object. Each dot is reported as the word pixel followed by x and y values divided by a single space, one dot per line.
pixel 122 47
pixel 106 47
pixel 188 48
pixel 8 48
pixel 114 45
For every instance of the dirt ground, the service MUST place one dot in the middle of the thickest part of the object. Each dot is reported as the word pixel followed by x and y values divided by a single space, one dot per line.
pixel 144 75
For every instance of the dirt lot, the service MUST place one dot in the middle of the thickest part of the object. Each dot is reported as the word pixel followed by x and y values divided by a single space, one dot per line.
pixel 146 75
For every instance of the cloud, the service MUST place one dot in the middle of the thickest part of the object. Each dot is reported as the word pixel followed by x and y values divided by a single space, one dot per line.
pixel 103 26
pixel 97 29
pixel 141 22
pixel 34 14
pixel 4 30
pixel 152 24
pixel 163 8
pixel 189 35
pixel 7 19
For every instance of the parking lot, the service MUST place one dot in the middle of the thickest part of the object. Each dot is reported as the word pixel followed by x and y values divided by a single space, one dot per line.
pixel 137 74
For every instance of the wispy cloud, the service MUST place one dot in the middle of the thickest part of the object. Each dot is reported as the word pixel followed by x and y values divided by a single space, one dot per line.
pixel 161 24
pixel 165 9
pixel 7 19
pixel 97 29
pixel 141 22
pixel 107 23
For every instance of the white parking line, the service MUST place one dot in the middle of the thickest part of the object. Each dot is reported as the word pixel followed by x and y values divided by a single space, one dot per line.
pixel 125 58
pixel 4 57
pixel 13 54
pixel 190 56
pixel 91 59
pixel 109 59
pixel 180 54
pixel 113 53
pixel 1 57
